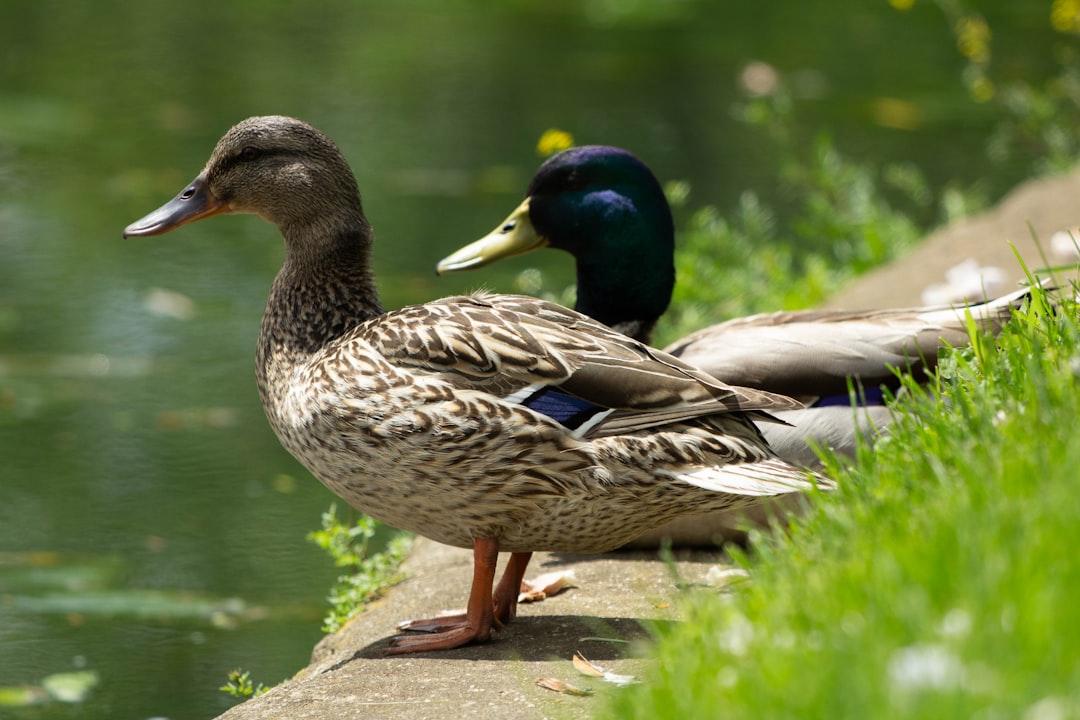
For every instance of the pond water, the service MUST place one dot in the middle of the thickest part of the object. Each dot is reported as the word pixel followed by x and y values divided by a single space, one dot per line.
pixel 151 528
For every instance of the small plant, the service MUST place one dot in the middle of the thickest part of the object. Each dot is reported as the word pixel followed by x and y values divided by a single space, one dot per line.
pixel 239 685
pixel 370 573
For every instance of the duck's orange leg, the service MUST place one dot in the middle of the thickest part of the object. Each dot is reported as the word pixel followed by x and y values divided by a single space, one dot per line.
pixel 506 594
pixel 455 631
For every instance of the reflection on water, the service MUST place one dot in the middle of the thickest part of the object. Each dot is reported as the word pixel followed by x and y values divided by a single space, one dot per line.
pixel 151 528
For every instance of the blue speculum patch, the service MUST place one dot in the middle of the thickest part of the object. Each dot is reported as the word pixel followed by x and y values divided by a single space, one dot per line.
pixel 863 398
pixel 567 410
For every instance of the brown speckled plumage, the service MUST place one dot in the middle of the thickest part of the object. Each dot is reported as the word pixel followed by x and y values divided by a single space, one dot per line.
pixel 405 414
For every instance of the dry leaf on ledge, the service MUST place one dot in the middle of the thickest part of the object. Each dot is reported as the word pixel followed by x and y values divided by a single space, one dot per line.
pixel 545 585
pixel 586 667
pixel 559 686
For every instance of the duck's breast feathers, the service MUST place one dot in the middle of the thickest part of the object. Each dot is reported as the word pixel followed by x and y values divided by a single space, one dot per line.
pixel 515 346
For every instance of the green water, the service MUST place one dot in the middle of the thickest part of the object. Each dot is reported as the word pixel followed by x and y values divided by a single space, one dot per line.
pixel 151 529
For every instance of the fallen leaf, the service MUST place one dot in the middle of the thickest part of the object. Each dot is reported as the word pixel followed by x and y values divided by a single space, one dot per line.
pixel 562 687
pixel 545 585
pixel 586 667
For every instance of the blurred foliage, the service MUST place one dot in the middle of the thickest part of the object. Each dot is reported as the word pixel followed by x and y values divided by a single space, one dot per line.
pixel 844 217
pixel 1036 116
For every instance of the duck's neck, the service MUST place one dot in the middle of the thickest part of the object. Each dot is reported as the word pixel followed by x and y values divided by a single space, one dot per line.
pixel 627 283
pixel 317 297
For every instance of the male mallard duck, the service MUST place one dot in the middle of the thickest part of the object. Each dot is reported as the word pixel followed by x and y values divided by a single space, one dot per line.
pixel 605 207
pixel 497 423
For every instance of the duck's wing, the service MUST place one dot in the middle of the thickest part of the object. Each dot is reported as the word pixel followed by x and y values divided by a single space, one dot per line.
pixel 813 353
pixel 541 355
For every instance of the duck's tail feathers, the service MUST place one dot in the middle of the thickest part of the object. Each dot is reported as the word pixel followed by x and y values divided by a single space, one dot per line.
pixel 757 479
pixel 990 314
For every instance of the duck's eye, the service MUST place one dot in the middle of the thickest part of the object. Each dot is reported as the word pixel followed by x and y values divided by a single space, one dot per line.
pixel 249 153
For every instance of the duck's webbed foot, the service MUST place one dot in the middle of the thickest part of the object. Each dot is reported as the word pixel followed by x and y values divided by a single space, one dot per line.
pixel 484 612
pixel 453 636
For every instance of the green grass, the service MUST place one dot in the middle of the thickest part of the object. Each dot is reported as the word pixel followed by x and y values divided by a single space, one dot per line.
pixel 941 580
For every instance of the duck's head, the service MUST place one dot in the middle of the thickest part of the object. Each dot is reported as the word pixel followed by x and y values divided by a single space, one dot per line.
pixel 276 167
pixel 605 207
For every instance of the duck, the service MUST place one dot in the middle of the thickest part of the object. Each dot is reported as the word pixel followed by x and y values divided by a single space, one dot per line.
pixel 606 208
pixel 497 423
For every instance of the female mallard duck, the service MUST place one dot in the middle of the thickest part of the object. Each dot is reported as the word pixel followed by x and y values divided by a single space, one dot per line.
pixel 606 208
pixel 497 423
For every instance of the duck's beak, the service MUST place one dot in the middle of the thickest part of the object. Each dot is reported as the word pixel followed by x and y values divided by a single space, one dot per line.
pixel 516 235
pixel 194 203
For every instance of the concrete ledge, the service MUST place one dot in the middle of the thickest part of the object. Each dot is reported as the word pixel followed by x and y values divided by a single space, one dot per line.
pixel 350 678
